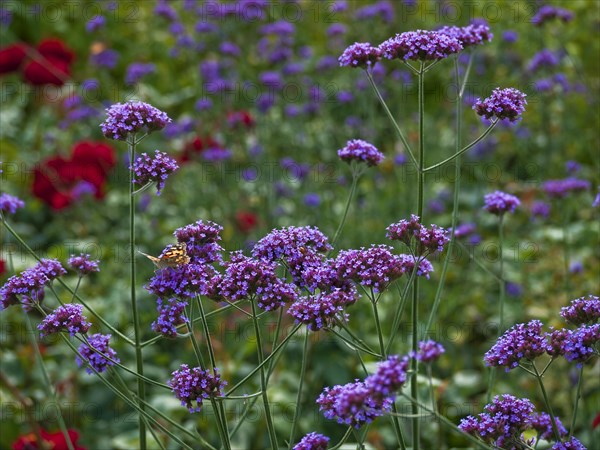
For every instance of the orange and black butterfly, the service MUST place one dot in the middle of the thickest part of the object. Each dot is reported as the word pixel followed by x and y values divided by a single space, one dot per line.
pixel 173 256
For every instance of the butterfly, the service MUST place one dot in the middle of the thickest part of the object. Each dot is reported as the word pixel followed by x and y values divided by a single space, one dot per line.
pixel 173 256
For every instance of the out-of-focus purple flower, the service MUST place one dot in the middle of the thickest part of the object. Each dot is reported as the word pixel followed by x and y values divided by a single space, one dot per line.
pixel 563 187
pixel 132 117
pixel 157 168
pixel 470 35
pixel 540 209
pixel 136 71
pixel 523 341
pixel 596 202
pixel 345 96
pixel 83 265
pixel 229 49
pixel 163 9
pixel 194 385
pixel 361 151
pixel 95 23
pixel 29 285
pixel 543 58
pixel 465 229
pixel 170 314
pixel 506 103
pixel 572 167
pixel 6 16
pixel 576 267
pixel 326 62
pixel 97 353
pixel 400 159
pixel 499 203
pixel 312 441
pixel 217 154
pixel 510 36
pixel 203 104
pixel 271 78
pixel 312 199
pixel 502 422
pixel 420 45
pixel 382 9
pixel 549 12
pixel 360 54
pixel 389 377
pixel 106 58
pixel 429 351
pixel 280 28
pixel 66 317
pixel 570 444
pixel 9 203
pixel 514 289
pixel 336 29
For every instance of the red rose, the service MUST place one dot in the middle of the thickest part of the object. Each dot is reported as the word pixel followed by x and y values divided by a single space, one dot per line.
pixel 197 146
pixel 246 221
pixel 55 441
pixel 59 181
pixel 11 57
pixel 51 64
pixel 2 267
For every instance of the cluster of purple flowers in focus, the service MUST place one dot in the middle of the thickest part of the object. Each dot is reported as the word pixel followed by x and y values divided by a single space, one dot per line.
pixel 429 351
pixel 499 203
pixel 362 152
pixel 123 119
pixel 312 441
pixel 183 281
pixel 201 239
pixel 9 203
pixel 171 313
pixel 523 341
pixel 68 317
pixel 420 45
pixel 29 285
pixel 83 265
pixel 584 310
pixel 427 240
pixel 153 169
pixel 96 353
pixel 506 103
pixel 360 54
pixel 194 385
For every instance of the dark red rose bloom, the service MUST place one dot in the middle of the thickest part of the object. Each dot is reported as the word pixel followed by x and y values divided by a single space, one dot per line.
pixel 59 181
pixel 236 118
pixel 246 221
pixel 2 267
pixel 195 147
pixel 51 66
pixel 596 421
pixel 11 57
pixel 54 441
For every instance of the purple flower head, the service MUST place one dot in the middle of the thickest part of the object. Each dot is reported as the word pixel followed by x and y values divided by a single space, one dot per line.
pixel 408 264
pixel 182 281
pixel 542 423
pixel 389 377
pixel 291 242
pixel 136 71
pixel 361 151
pixel 83 265
pixel 596 203
pixel 163 9
pixel 66 317
pixel 540 209
pixel 584 310
pixel 96 353
pixel 30 283
pixel 352 404
pixel 523 341
pixel 155 168
pixel 576 267
pixel 502 422
pixel 570 444
pixel 465 229
pixel 473 34
pixel 312 199
pixel 170 314
pixel 499 202
pixel 194 385
pixel 543 58
pixel 106 58
pixel 9 203
pixel 360 54
pixel 549 12
pixel 581 344
pixel 556 341
pixel 375 267
pixel 201 239
pixel 95 23
pixel 312 441
pixel 405 230
pixel 510 36
pixel 132 117
pixel 563 187
pixel 572 167
pixel 420 45
pixel 248 278
pixel 506 103
pixel 321 310
pixel 336 29
pixel 429 351
pixel 428 240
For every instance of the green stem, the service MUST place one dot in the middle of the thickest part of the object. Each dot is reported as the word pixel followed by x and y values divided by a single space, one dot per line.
pixel 547 403
pixel 299 396
pixel 344 439
pixel 49 388
pixel 76 288
pixel 391 117
pixel 345 215
pixel 576 406
pixel 263 383
pixel 566 256
pixel 399 311
pixel 141 388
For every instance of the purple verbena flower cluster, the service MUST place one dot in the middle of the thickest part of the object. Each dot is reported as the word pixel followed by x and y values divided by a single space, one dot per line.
pixel 429 351
pixel 360 54
pixel 362 152
pixel 288 242
pixel 170 314
pixel 506 103
pixel 420 45
pixel 9 203
pixel 201 239
pixel 183 281
pixel 584 310
pixel 321 310
pixel 195 385
pixel 96 353
pixel 136 71
pixel 540 209
pixel 68 317
pixel 523 341
pixel 570 444
pixel 542 423
pixel 499 203
pixel 581 344
pixel 83 265
pixel 470 35
pixel 155 168
pixel 123 119
pixel 428 240
pixel 549 12
pixel 312 441
pixel 563 187
pixel 389 377
pixel 29 285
